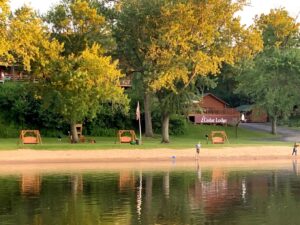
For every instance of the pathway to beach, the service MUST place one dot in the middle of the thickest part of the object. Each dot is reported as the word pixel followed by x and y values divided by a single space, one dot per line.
pixel 285 133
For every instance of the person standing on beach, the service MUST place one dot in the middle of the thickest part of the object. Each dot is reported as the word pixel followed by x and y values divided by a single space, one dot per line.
pixel 295 149
pixel 198 147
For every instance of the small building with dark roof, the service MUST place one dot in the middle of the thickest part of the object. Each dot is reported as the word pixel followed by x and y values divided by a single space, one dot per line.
pixel 253 114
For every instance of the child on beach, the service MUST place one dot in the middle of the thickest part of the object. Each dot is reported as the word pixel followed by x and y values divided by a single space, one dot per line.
pixel 198 147
pixel 295 149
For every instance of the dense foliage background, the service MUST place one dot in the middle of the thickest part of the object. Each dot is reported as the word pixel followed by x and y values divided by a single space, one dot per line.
pixel 172 51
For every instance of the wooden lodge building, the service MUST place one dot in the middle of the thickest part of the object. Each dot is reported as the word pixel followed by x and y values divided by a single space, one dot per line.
pixel 213 110
pixel 15 73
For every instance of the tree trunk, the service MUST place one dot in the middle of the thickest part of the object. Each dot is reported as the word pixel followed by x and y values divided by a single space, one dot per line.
pixel 13 72
pixel 148 118
pixel 74 135
pixel 165 128
pixel 274 125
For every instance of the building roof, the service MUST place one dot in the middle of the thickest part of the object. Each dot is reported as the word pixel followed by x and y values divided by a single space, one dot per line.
pixel 215 97
pixel 244 108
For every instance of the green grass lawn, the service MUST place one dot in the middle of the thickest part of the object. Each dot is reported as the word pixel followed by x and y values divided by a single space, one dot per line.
pixel 194 134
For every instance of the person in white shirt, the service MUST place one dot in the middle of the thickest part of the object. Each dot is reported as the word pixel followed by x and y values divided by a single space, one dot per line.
pixel 2 78
pixel 198 147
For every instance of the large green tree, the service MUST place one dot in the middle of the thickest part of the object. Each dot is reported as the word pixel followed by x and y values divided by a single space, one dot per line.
pixel 272 80
pixel 136 25
pixel 173 42
pixel 82 77
pixel 76 86
pixel 77 24
pixel 195 39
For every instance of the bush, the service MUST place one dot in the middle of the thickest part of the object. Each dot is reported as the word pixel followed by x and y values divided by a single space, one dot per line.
pixel 52 133
pixel 107 122
pixel 8 131
pixel 19 106
pixel 178 125
pixel 103 132
pixel 293 121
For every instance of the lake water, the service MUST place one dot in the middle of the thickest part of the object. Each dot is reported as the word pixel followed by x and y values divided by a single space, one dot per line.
pixel 211 195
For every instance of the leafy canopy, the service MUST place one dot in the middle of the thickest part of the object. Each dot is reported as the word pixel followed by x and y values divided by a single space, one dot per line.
pixel 76 85
pixel 78 25
pixel 30 39
pixel 5 44
pixel 195 38
pixel 272 80
pixel 24 40
pixel 278 28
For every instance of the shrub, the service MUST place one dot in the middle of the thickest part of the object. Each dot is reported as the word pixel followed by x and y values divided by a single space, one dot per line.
pixel 178 125
pixel 104 132
pixel 8 131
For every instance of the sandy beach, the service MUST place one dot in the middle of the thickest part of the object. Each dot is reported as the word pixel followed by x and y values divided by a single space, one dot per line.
pixel 260 156
pixel 164 154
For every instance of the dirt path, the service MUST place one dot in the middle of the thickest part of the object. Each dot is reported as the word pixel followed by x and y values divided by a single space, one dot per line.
pixel 284 133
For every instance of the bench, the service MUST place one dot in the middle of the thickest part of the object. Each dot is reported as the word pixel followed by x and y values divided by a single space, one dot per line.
pixel 123 136
pixel 125 139
pixel 30 140
pixel 218 140
pixel 30 137
pixel 218 137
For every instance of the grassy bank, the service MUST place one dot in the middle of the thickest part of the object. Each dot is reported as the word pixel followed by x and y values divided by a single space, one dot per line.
pixel 194 134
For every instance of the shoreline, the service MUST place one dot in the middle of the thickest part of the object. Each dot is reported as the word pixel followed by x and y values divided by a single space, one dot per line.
pixel 17 161
pixel 149 155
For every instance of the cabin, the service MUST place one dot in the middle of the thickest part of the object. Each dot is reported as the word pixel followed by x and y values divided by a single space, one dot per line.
pixel 253 114
pixel 213 110
pixel 13 73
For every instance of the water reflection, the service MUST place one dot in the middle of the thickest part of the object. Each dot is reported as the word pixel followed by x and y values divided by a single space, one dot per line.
pixel 295 166
pixel 139 197
pixel 166 184
pixel 76 184
pixel 30 184
pixel 215 195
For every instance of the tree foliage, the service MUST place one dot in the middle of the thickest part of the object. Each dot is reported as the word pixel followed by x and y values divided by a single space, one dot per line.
pixel 75 86
pixel 273 78
pixel 24 40
pixel 195 38
pixel 78 80
pixel 171 43
pixel 31 40
pixel 273 82
pixel 279 29
pixel 5 44
pixel 136 25
pixel 78 25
